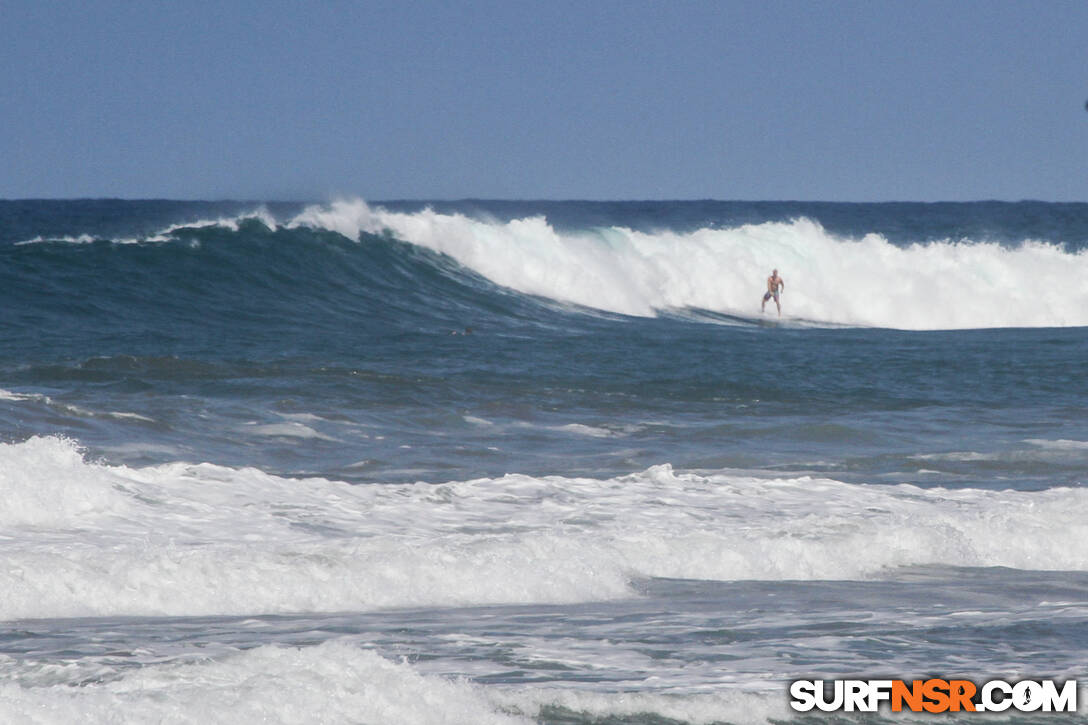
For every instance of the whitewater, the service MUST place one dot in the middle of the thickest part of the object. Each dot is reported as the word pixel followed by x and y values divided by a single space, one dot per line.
pixel 862 280
pixel 203 540
pixel 947 284
pixel 533 462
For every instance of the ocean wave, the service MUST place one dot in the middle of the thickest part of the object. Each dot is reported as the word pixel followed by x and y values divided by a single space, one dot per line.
pixel 1061 444
pixel 168 233
pixel 335 681
pixel 90 539
pixel 330 682
pixel 74 410
pixel 287 429
pixel 708 274
pixel 866 282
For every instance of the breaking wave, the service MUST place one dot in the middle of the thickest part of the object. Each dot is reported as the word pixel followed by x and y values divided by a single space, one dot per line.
pixel 89 539
pixel 424 263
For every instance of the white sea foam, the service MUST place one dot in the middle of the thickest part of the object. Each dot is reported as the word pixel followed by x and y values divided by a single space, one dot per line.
pixel 233 223
pixel 287 429
pixel 588 430
pixel 333 682
pixel 66 239
pixel 86 539
pixel 260 214
pixel 329 683
pixel 1060 444
pixel 71 409
pixel 868 281
pixel 1039 449
pixel 579 429
pixel 306 417
pixel 160 450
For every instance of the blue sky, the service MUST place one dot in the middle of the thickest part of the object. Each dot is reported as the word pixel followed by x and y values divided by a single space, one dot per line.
pixel 839 101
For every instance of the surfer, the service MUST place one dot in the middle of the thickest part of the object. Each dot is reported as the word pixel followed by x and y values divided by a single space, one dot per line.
pixel 775 286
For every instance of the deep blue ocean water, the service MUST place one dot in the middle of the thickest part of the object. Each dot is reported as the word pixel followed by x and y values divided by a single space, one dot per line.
pixel 490 461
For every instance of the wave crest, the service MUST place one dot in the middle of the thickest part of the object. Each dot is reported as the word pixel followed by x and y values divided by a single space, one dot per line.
pixel 865 282
pixel 87 539
pixel 708 274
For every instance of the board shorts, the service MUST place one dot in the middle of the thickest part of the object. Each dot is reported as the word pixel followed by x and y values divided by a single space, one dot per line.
pixel 769 295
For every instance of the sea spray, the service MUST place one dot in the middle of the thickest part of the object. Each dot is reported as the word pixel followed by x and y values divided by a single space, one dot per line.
pixel 866 281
